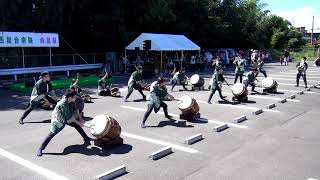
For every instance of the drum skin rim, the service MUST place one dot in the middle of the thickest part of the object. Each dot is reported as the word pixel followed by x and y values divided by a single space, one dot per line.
pixel 195 79
pixel 236 93
pixel 185 99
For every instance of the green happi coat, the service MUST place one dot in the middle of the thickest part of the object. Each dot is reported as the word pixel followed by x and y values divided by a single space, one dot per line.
pixel 134 78
pixel 156 95
pixel 260 65
pixel 239 63
pixel 39 90
pixel 214 82
pixel 64 113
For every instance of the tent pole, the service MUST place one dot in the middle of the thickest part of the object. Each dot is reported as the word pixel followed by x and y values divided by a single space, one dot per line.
pixel 50 56
pixel 23 61
pixel 181 59
pixel 161 62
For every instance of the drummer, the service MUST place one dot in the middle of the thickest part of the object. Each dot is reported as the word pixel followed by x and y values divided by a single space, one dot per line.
pixel 250 78
pixel 42 91
pixel 239 63
pixel 103 85
pixel 261 66
pixel 135 83
pixel 179 78
pixel 79 101
pixel 216 83
pixel 302 67
pixel 155 99
pixel 65 114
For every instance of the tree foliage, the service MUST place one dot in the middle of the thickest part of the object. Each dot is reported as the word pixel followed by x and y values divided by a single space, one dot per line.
pixel 102 25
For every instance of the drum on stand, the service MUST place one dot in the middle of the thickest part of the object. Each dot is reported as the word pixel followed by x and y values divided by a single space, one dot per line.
pixel 270 85
pixel 189 107
pixel 107 131
pixel 196 80
pixel 104 92
pixel 240 92
pixel 115 92
pixel 86 98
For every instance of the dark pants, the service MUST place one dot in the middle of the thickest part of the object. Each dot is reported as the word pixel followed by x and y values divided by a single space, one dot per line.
pixel 264 73
pixel 151 107
pixel 51 135
pixel 213 91
pixel 35 104
pixel 246 83
pixel 304 76
pixel 175 83
pixel 137 87
pixel 236 78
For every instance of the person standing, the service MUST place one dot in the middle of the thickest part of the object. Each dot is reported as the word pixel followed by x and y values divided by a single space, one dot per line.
pixel 216 84
pixel 158 93
pixel 239 63
pixel 261 66
pixel 65 113
pixel 135 83
pixel 302 67
pixel 286 57
pixel 42 94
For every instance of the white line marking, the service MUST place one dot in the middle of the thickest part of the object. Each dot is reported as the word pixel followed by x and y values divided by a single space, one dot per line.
pixel 288 84
pixel 199 119
pixel 312 179
pixel 307 70
pixel 308 74
pixel 264 97
pixel 155 141
pixel 295 79
pixel 240 107
pixel 40 170
pixel 287 90
pixel 272 75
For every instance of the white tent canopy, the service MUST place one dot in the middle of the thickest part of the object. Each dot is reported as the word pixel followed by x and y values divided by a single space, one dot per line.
pixel 164 42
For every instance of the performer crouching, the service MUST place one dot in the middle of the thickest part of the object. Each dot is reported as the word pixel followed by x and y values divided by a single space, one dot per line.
pixel 216 83
pixel 158 92
pixel 103 86
pixel 42 95
pixel 65 113
pixel 250 78
pixel 135 83
pixel 179 78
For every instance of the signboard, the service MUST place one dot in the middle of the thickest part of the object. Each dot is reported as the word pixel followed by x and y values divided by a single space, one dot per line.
pixel 26 39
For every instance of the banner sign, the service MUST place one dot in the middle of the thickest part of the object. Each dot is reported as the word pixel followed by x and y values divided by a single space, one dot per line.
pixel 26 39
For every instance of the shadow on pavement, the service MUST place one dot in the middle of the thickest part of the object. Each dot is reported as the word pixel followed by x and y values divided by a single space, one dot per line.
pixel 173 122
pixel 93 151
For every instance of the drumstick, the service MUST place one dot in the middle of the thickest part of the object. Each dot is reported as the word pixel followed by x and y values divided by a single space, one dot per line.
pixel 77 75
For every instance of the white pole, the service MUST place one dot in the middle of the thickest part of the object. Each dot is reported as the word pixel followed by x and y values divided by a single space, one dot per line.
pixel 23 62
pixel 161 62
pixel 312 30
pixel 50 58
pixel 181 59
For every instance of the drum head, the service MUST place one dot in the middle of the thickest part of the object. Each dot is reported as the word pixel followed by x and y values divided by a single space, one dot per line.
pixel 185 102
pixel 267 82
pixel 99 124
pixel 115 89
pixel 195 79
pixel 237 88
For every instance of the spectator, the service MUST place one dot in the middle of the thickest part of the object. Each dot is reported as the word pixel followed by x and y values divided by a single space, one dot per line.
pixel 286 57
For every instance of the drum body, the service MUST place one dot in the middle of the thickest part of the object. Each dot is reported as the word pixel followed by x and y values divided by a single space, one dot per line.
pixel 86 98
pixel 188 105
pixel 115 92
pixel 270 84
pixel 105 127
pixel 197 80
pixel 239 91
pixel 79 103
pixel 104 92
